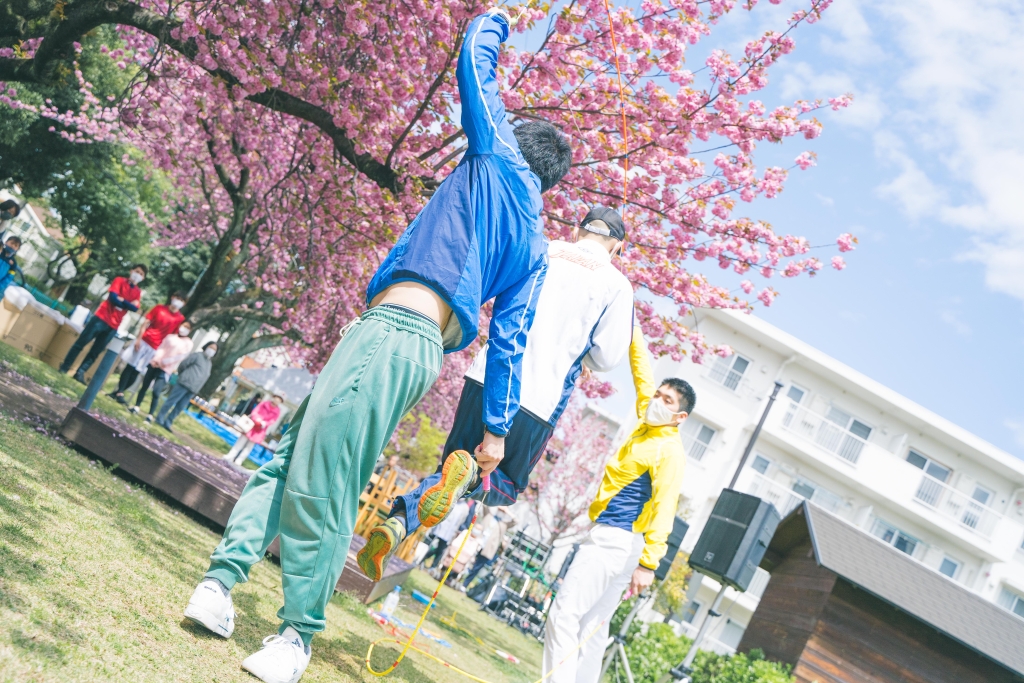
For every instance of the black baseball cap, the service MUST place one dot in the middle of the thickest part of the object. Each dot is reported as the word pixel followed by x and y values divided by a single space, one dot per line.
pixel 610 217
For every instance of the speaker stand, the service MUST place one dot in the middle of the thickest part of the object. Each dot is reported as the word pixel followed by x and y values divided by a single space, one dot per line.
pixel 617 650
pixel 681 673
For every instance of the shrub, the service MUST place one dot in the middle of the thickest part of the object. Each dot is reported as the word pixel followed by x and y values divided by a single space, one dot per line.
pixel 653 653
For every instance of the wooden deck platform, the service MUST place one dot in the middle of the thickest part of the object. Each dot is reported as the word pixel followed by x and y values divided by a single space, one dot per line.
pixel 206 485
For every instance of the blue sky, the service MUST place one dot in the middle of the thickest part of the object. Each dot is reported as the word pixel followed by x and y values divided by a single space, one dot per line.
pixel 927 169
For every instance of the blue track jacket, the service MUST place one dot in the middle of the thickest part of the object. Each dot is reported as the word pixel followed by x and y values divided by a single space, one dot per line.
pixel 480 236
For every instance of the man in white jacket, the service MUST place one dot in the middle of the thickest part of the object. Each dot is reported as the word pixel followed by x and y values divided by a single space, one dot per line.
pixel 584 319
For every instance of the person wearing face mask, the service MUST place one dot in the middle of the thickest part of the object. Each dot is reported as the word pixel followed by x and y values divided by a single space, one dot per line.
pixel 263 417
pixel 583 322
pixel 9 210
pixel 632 514
pixel 172 350
pixel 192 375
pixel 124 295
pixel 8 262
pixel 161 321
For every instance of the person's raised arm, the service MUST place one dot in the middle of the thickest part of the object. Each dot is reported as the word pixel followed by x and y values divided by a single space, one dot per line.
pixel 643 375
pixel 511 320
pixel 483 113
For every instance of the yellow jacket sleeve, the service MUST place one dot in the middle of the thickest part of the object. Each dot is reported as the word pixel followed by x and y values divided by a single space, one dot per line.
pixel 643 375
pixel 667 482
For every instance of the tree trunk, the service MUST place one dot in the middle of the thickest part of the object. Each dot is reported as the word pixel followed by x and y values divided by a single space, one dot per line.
pixel 239 342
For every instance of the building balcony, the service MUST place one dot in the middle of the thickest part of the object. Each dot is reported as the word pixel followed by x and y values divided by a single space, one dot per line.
pixel 890 482
pixel 786 500
pixel 957 506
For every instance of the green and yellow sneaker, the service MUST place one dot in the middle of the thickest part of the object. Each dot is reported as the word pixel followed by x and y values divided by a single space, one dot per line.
pixel 457 474
pixel 381 544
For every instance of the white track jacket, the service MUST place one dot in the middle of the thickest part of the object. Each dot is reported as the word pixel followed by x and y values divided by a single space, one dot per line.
pixel 584 315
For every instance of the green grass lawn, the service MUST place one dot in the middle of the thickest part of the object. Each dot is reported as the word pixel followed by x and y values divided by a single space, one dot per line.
pixel 65 386
pixel 95 573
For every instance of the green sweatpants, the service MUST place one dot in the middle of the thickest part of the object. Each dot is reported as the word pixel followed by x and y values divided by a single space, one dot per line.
pixel 309 492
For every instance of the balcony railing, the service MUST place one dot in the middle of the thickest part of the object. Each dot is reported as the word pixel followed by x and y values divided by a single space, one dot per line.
pixel 957 505
pixel 825 433
pixel 786 500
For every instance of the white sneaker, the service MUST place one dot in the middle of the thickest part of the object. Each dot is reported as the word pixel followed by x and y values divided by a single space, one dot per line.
pixel 211 608
pixel 283 658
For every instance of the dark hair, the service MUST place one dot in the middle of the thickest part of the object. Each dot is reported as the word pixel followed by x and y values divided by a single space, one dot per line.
pixel 10 204
pixel 178 295
pixel 15 239
pixel 209 344
pixel 547 151
pixel 687 396
pixel 140 266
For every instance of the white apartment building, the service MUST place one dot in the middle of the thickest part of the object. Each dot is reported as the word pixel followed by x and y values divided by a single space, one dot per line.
pixel 905 475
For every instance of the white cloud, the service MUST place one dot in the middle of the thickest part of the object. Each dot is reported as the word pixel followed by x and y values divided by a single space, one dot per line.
pixel 952 319
pixel 950 80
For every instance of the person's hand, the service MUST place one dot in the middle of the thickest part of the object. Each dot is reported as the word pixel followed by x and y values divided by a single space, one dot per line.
pixel 138 344
pixel 641 580
pixel 489 453
pixel 585 372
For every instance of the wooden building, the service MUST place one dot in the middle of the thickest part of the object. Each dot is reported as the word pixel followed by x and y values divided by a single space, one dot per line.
pixel 843 607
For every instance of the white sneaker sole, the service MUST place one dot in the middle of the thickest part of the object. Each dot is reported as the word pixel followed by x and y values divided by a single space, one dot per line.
pixel 267 678
pixel 207 620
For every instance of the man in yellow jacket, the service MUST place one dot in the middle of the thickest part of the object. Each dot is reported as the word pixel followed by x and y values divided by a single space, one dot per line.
pixel 632 516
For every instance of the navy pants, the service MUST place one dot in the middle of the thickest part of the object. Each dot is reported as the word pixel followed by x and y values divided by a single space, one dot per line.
pixel 524 445
pixel 96 331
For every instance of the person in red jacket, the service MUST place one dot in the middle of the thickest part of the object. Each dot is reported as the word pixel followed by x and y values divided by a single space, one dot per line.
pixel 161 321
pixel 124 295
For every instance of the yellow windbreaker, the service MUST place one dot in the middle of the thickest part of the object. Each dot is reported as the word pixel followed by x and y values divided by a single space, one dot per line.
pixel 641 485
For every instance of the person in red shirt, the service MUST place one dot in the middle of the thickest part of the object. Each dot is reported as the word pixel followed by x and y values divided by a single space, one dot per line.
pixel 161 321
pixel 124 295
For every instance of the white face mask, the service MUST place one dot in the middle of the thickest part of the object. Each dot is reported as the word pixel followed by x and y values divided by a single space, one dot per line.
pixel 136 278
pixel 176 304
pixel 209 353
pixel 658 414
pixel 184 331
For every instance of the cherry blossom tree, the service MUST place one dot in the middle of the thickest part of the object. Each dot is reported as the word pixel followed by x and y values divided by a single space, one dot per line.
pixel 566 479
pixel 329 124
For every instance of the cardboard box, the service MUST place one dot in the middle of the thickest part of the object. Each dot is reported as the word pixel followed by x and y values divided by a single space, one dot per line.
pixel 34 329
pixel 61 343
pixel 8 316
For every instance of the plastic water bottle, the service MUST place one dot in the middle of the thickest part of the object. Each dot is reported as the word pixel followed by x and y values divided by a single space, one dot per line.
pixel 390 602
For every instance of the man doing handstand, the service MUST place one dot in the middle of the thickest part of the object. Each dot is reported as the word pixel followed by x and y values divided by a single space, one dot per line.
pixel 479 237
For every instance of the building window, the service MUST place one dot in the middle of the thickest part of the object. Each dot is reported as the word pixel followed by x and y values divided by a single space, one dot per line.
pixel 691 611
pixel 894 537
pixel 949 567
pixel 795 393
pixel 842 434
pixel 1009 600
pixel 696 437
pixel 930 467
pixel 729 371
pixel 761 464
pixel 982 495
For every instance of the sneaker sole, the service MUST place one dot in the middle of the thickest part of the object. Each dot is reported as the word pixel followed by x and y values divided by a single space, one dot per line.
pixel 438 500
pixel 373 557
pixel 207 621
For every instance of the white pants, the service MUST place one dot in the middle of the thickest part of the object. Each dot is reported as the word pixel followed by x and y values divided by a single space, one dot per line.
pixel 240 451
pixel 590 593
